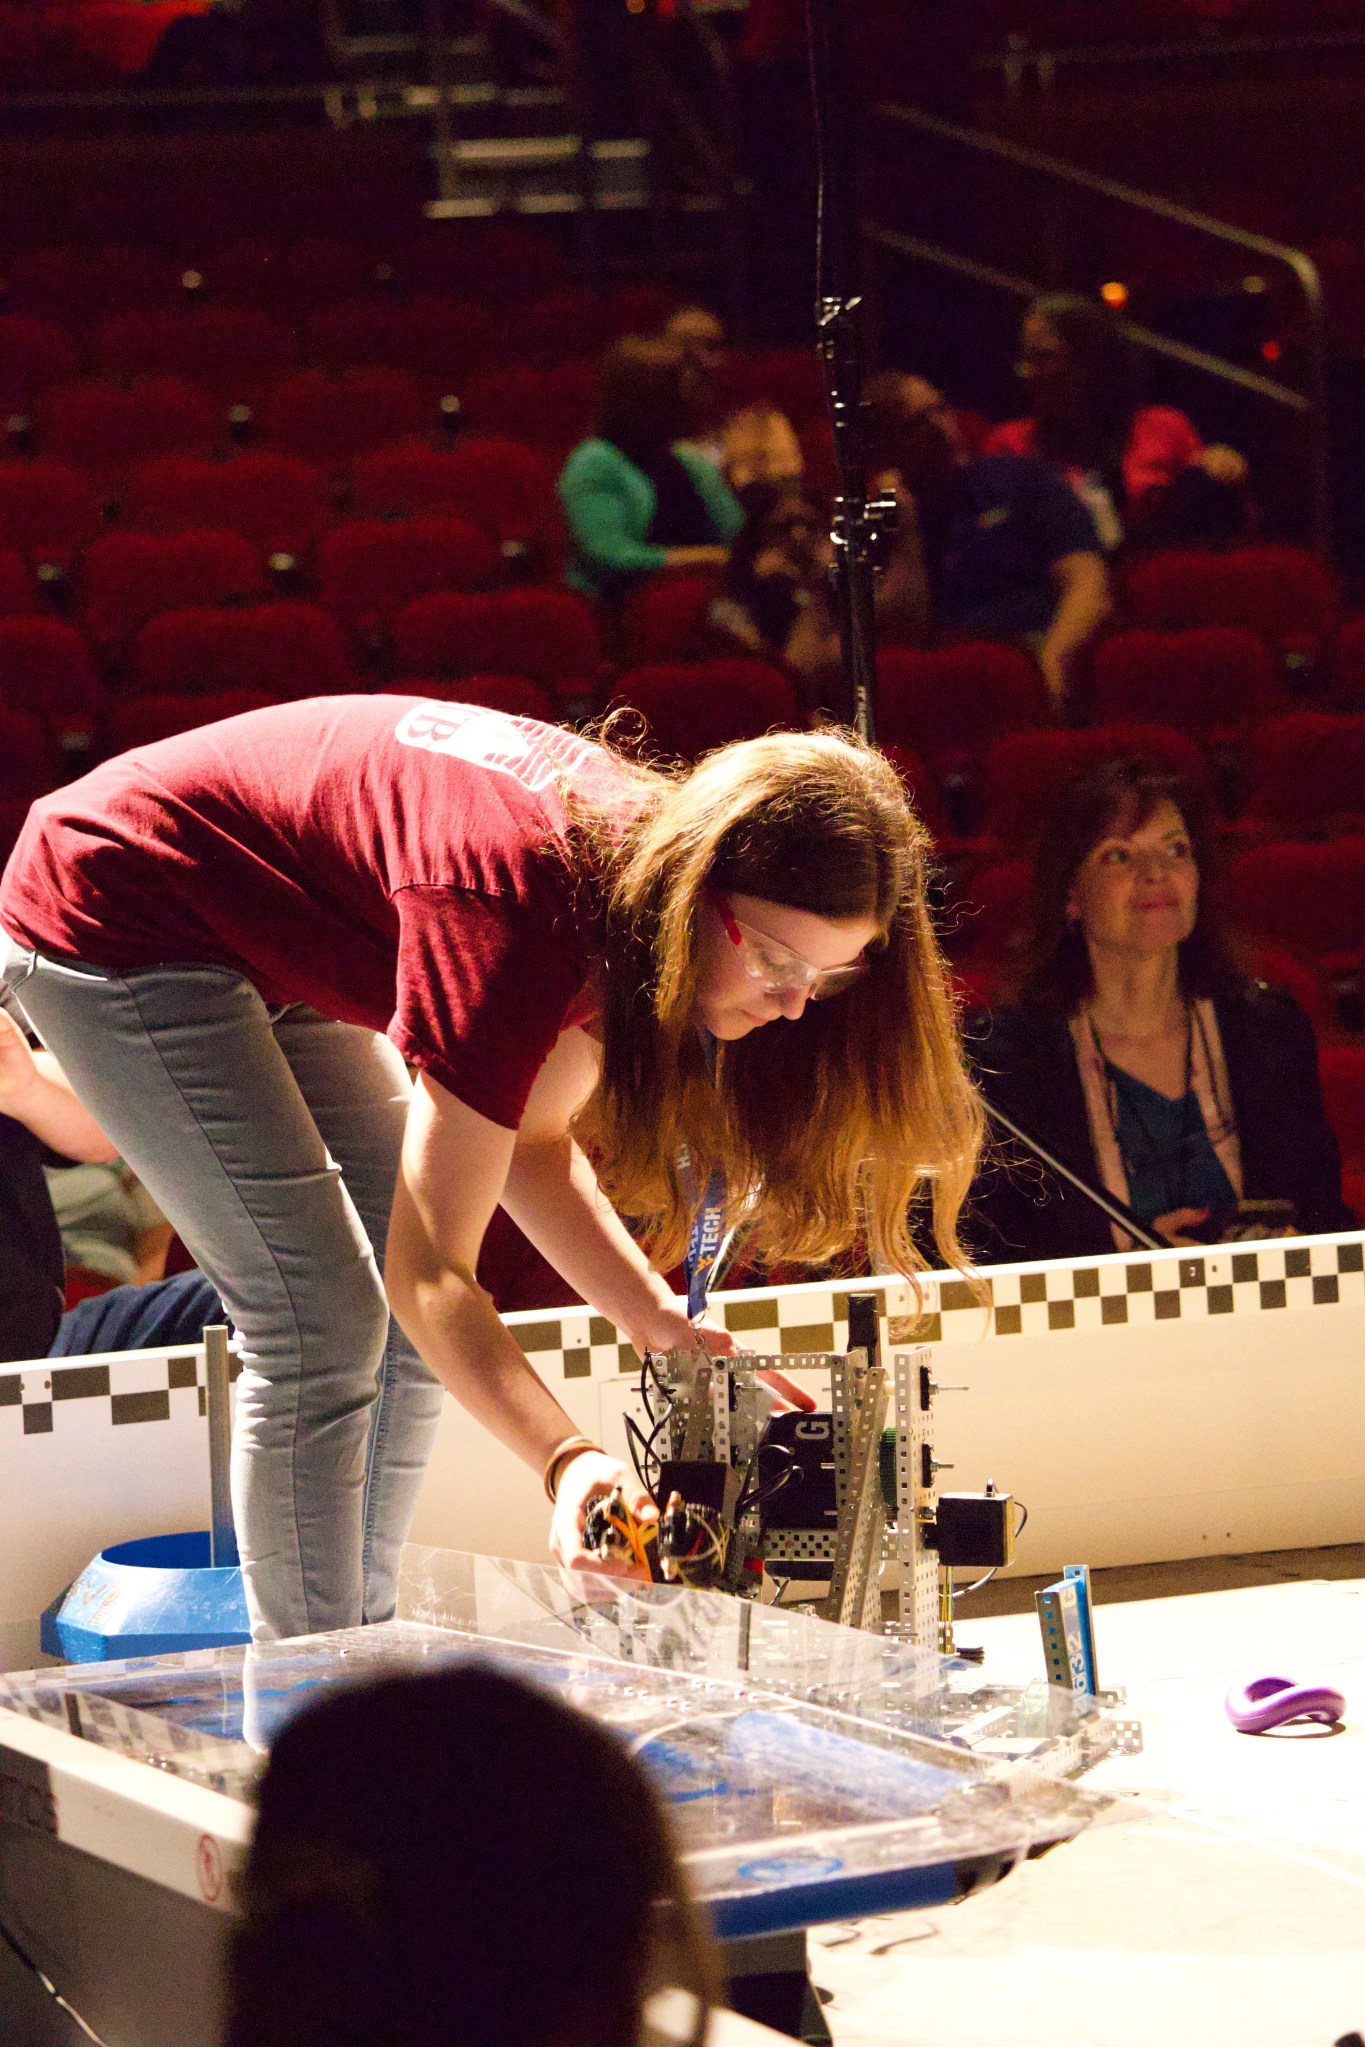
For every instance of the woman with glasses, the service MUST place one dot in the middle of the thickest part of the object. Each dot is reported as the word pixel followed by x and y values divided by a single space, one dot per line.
pixel 1135 1051
pixel 713 995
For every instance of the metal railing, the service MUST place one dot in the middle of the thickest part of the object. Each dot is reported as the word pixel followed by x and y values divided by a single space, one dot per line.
pixel 1310 403
pixel 1022 57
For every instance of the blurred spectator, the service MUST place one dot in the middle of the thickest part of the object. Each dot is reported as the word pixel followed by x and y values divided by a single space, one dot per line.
pixel 109 1222
pixel 1134 1050
pixel 259 42
pixel 635 497
pixel 1141 470
pixel 754 444
pixel 775 597
pixel 1009 551
pixel 42 1123
pixel 452 1858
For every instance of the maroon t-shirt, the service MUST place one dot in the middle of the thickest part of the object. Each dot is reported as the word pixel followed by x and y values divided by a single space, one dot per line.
pixel 393 862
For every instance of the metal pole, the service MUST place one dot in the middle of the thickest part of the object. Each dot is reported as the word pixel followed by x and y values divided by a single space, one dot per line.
pixel 222 1534
pixel 1109 1204
pixel 859 521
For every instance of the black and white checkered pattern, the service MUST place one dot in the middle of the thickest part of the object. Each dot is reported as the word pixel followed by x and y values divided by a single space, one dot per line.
pixel 1038 1300
pixel 136 1386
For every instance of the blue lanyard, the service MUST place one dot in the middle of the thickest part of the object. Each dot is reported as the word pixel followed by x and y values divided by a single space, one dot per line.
pixel 703 1246
pixel 708 1222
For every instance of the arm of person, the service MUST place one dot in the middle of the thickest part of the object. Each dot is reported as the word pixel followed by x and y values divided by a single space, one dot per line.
pixel 604 518
pixel 455 1168
pixel 1083 603
pixel 36 1093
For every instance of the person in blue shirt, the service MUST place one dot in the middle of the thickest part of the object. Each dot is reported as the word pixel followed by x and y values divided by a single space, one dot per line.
pixel 1009 550
pixel 636 497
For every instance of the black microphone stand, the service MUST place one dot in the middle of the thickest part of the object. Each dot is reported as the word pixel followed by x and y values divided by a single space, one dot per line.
pixel 1108 1204
pixel 860 524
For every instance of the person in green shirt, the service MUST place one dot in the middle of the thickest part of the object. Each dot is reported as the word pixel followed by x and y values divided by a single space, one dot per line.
pixel 636 498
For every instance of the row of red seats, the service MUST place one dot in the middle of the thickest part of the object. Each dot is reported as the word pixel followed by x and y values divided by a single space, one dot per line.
pixel 51 510
pixel 236 351
pixel 331 417
pixel 81 286
pixel 172 612
pixel 1305 770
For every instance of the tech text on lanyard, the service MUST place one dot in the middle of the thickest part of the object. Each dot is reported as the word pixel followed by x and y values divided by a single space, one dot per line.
pixel 708 1222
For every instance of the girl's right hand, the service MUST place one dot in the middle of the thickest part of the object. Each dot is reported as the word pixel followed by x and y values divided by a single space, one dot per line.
pixel 591 1476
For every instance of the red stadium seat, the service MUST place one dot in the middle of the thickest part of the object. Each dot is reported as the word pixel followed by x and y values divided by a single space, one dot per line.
pixel 231 351
pixel 1309 900
pixel 575 320
pixel 27 764
pixel 105 429
pixel 284 649
pixel 433 339
pixel 949 705
pixel 277 502
pixel 1307 773
pixel 1283 593
pixel 80 286
pixel 919 785
pixel 17 594
pixel 126 578
pixel 691 708
pixel 642 308
pixel 792 379
pixel 46 669
pixel 369 568
pixel 552 408
pixel 503 487
pixel 550 636
pixel 1025 771
pixel 510 693
pixel 1347 667
pixel 497 259
pixel 1309 988
pixel 143 720
pixel 48 510
pixel 288 280
pixel 333 419
pixel 989 917
pixel 664 617
pixel 13 811
pixel 1342 1071
pixel 1207 680
pixel 34 355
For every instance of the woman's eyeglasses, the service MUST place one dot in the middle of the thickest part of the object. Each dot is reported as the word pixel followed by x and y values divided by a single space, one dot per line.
pixel 776 968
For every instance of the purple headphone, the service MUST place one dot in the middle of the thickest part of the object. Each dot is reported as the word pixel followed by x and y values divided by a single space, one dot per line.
pixel 1271 1701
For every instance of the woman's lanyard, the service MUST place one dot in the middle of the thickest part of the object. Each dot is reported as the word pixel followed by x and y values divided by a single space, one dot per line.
pixel 1163 1158
pixel 708 1220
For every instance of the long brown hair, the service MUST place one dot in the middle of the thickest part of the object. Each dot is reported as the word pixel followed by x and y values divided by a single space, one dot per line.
pixel 827 1126
pixel 1119 795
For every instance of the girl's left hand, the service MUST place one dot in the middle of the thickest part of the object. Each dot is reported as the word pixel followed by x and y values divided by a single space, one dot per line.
pixel 671 1329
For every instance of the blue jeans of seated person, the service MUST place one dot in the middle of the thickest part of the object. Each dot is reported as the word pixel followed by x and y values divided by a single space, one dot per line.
pixel 153 1317
pixel 271 1140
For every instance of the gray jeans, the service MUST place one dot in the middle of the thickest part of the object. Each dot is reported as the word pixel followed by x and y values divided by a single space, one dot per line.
pixel 271 1140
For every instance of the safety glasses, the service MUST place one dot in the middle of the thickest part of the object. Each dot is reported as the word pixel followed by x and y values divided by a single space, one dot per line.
pixel 776 968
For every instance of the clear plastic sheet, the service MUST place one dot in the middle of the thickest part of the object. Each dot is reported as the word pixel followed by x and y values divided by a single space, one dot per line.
pixel 800 1760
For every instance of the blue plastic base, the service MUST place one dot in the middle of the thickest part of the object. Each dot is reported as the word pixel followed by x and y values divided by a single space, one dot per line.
pixel 147 1598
